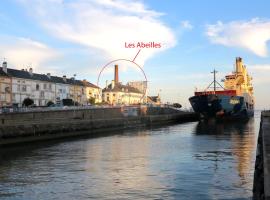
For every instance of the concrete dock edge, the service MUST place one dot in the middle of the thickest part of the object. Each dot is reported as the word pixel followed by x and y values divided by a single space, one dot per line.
pixel 261 184
pixel 28 127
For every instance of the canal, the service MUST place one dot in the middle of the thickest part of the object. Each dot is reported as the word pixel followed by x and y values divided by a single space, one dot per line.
pixel 184 161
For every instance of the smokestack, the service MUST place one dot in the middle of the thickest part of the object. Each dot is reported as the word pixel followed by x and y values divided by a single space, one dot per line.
pixel 239 64
pixel 116 78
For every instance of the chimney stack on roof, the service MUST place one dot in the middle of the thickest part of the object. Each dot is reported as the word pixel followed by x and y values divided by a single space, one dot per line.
pixel 31 71
pixel 65 78
pixel 4 66
pixel 113 84
pixel 49 75
pixel 116 78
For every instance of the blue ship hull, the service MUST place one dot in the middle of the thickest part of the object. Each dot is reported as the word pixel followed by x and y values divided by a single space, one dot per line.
pixel 221 107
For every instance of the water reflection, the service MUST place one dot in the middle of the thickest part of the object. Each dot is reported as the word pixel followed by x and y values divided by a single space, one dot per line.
pixel 124 161
pixel 185 161
pixel 231 141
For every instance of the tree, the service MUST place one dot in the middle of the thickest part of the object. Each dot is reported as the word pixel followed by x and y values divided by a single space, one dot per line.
pixel 50 103
pixel 177 105
pixel 28 102
pixel 68 102
pixel 92 100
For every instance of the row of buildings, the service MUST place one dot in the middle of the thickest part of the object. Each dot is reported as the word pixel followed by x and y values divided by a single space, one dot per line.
pixel 18 85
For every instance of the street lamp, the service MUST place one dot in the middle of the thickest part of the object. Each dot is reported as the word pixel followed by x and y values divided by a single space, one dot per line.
pixel 74 93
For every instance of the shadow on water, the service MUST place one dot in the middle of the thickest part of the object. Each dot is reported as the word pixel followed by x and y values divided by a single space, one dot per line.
pixel 17 149
pixel 226 128
pixel 12 151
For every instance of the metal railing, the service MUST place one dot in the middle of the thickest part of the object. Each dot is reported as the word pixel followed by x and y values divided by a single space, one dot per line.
pixel 45 109
pixel 59 108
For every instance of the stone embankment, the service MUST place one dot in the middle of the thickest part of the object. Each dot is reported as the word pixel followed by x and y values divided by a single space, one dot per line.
pixel 41 125
pixel 261 185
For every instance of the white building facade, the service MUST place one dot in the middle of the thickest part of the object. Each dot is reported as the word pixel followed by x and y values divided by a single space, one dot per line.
pixel 43 88
pixel 116 93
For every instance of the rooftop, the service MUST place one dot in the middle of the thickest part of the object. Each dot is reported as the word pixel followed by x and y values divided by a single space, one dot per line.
pixel 43 77
pixel 121 88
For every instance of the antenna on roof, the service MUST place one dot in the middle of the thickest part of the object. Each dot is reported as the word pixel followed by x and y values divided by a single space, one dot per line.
pixel 29 65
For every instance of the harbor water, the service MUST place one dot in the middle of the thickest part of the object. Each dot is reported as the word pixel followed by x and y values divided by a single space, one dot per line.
pixel 193 160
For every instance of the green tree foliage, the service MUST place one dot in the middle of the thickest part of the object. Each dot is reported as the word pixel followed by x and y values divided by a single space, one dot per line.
pixel 92 100
pixel 50 103
pixel 28 102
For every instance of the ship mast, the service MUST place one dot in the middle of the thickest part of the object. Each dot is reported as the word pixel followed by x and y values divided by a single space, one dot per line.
pixel 214 72
pixel 214 82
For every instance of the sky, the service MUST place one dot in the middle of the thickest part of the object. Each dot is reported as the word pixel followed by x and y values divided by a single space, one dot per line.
pixel 67 37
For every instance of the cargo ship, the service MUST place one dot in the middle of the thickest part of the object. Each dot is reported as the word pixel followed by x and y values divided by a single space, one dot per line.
pixel 232 101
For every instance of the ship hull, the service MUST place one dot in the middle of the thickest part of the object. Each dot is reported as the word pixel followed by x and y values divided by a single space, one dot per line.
pixel 221 107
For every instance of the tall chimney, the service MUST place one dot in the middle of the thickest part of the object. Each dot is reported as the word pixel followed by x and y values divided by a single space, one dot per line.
pixel 116 78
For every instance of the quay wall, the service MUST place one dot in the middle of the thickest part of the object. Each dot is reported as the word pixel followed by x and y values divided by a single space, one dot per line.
pixel 261 184
pixel 32 126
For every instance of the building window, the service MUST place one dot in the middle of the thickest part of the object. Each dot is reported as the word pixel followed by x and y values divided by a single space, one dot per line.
pixel 7 90
pixel 50 86
pixel 23 88
pixel 18 88
pixel 45 86
pixel 42 94
pixel 37 86
pixel 113 94
pixel 108 98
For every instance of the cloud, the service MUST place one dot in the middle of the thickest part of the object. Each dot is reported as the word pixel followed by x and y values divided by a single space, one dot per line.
pixel 252 35
pixel 103 24
pixel 24 52
pixel 186 24
pixel 260 73
pixel 261 68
